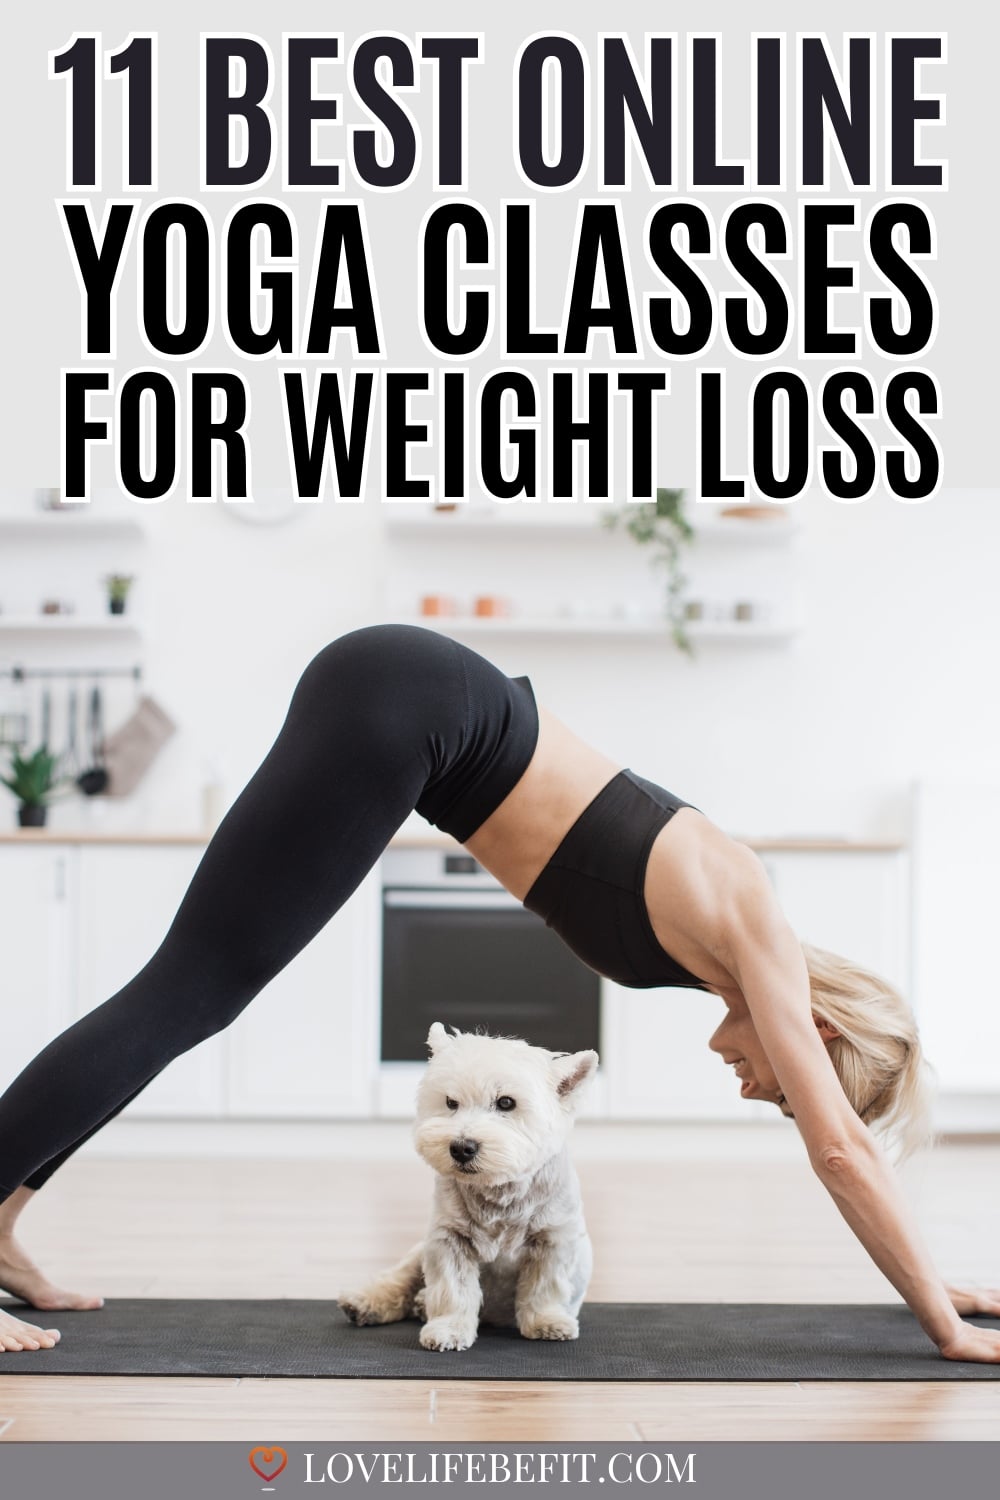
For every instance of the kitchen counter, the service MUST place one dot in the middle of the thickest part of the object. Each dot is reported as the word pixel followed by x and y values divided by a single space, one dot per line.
pixel 94 836
pixel 761 845
pixel 805 843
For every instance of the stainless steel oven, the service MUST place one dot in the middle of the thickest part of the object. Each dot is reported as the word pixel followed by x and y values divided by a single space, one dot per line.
pixel 458 948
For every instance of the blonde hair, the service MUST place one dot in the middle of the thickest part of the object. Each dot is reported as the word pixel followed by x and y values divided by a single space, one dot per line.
pixel 877 1056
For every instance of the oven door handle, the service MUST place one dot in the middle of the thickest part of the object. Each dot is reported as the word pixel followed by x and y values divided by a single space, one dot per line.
pixel 454 900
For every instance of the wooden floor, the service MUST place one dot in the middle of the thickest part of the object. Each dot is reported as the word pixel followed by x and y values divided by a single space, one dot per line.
pixel 668 1229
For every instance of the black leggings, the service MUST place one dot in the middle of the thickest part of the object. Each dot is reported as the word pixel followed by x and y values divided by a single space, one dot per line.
pixel 383 720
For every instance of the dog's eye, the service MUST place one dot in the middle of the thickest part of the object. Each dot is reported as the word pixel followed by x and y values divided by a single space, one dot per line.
pixel 506 1103
pixel 451 1103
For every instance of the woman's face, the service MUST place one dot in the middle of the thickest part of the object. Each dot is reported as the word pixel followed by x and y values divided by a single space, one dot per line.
pixel 737 1043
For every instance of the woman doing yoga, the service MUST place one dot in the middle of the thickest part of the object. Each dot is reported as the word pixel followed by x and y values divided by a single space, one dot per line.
pixel 641 885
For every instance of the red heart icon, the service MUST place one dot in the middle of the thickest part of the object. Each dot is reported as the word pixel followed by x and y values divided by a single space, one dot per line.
pixel 268 1456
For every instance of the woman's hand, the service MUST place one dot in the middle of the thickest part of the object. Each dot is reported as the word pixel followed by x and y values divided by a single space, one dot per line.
pixel 979 1344
pixel 982 1300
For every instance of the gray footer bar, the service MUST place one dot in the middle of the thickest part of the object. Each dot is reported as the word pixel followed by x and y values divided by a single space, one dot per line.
pixel 714 1471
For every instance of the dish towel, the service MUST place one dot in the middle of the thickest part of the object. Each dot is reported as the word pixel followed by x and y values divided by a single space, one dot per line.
pixel 131 749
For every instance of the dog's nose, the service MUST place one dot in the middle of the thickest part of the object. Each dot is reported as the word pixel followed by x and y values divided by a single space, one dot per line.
pixel 463 1150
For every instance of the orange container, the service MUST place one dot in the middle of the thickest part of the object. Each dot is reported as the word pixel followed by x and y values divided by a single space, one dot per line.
pixel 437 604
pixel 491 607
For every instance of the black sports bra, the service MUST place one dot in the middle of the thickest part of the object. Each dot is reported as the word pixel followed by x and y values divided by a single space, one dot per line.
pixel 591 890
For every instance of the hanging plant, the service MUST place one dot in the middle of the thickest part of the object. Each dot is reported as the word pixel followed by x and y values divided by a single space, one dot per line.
pixel 663 526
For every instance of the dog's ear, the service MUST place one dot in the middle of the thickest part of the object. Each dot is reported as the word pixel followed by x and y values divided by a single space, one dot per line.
pixel 437 1038
pixel 572 1072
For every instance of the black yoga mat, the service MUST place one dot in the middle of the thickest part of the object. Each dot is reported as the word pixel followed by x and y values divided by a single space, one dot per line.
pixel 618 1341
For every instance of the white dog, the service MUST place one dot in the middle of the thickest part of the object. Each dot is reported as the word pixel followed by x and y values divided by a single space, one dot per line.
pixel 507 1241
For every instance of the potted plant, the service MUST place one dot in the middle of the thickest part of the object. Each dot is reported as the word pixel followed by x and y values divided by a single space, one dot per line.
pixel 118 585
pixel 664 527
pixel 32 779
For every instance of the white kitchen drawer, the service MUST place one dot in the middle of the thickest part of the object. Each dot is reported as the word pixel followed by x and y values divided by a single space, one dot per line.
pixel 306 1046
pixel 36 902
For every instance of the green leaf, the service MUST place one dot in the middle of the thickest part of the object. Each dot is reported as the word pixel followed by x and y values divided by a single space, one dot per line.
pixel 32 776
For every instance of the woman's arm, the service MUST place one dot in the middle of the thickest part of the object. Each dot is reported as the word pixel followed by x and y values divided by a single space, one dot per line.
pixel 766 960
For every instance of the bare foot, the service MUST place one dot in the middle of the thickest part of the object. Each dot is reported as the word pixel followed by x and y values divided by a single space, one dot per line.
pixel 21 1277
pixel 16 1335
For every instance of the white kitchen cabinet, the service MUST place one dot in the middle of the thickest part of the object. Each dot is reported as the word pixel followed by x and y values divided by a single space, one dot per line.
pixel 306 1046
pixel 655 1057
pixel 36 922
pixel 957 886
pixel 654 1045
pixel 81 920
pixel 301 1048
pixel 128 896
pixel 854 902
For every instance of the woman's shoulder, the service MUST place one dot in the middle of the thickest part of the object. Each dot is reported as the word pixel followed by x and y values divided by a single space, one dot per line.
pixel 701 883
pixel 695 841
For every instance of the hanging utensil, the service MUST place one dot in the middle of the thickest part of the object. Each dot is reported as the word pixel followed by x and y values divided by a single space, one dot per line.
pixel 70 759
pixel 94 780
pixel 46 717
pixel 14 712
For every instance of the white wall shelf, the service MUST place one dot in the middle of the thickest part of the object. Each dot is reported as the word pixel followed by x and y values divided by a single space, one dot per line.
pixel 643 629
pixel 48 524
pixel 68 625
pixel 478 524
pixel 564 574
